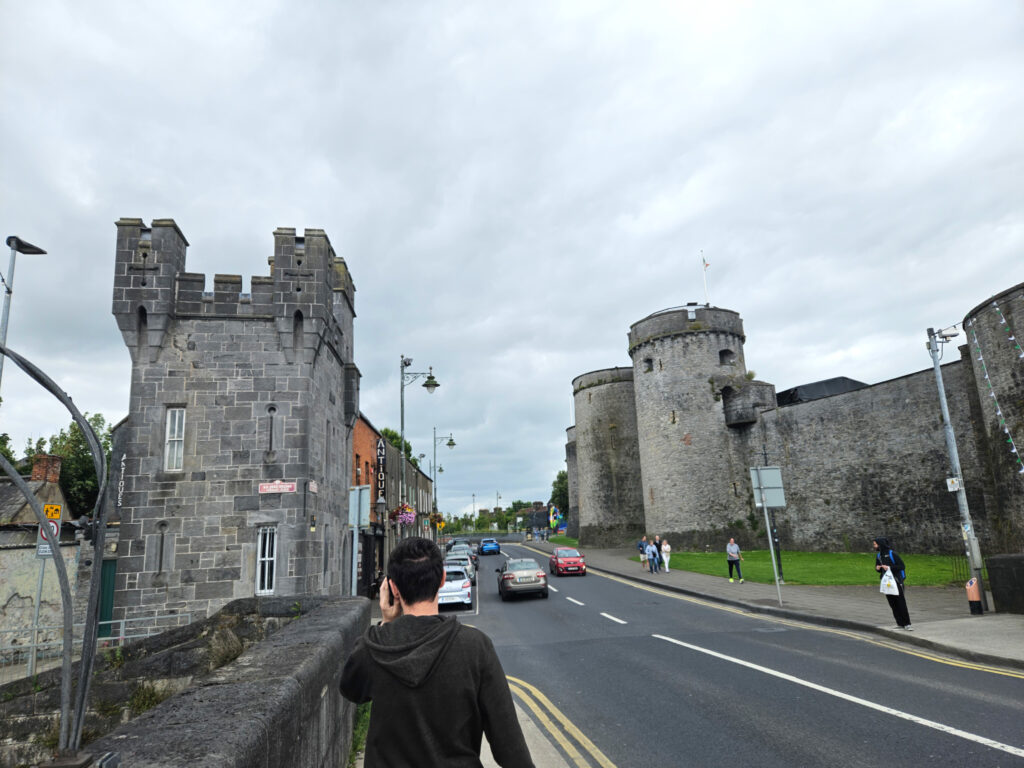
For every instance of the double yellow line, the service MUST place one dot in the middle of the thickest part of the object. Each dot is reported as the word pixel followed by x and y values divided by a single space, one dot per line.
pixel 561 728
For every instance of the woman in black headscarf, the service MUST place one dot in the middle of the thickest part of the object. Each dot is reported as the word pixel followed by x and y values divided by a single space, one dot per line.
pixel 887 560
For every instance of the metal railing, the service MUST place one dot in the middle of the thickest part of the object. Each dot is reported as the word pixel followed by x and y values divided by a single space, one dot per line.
pixel 28 651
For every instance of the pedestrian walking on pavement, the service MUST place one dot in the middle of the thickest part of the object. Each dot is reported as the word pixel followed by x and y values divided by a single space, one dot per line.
pixel 666 552
pixel 886 559
pixel 733 557
pixel 642 546
pixel 653 556
pixel 423 671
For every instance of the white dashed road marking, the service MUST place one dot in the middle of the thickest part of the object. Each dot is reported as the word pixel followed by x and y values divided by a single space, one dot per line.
pixel 574 601
pixel 612 618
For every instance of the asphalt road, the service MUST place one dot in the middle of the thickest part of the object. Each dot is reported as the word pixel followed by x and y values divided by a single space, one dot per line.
pixel 657 679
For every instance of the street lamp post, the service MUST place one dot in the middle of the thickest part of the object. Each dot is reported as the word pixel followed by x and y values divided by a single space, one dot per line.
pixel 17 245
pixel 451 444
pixel 407 377
pixel 970 538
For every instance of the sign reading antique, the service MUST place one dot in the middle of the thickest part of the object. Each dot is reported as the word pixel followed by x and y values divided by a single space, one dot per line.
pixel 277 486
pixel 382 455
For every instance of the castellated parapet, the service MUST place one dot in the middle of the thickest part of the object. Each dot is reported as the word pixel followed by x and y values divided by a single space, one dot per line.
pixel 607 462
pixel 231 390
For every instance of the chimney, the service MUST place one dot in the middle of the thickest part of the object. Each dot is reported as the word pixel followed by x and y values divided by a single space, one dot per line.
pixel 45 468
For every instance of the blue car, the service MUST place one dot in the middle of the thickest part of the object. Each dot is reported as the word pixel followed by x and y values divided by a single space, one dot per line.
pixel 489 547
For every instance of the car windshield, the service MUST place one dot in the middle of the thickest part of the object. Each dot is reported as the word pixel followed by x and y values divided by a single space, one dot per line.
pixel 522 565
pixel 567 553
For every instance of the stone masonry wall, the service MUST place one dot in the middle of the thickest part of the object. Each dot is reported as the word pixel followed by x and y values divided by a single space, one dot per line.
pixel 869 463
pixel 682 362
pixel 265 381
pixel 278 704
pixel 572 527
pixel 994 349
pixel 607 461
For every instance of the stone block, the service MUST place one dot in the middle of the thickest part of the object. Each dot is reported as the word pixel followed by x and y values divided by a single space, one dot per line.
pixel 1006 582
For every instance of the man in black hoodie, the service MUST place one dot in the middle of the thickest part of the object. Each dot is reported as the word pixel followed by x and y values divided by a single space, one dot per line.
pixel 436 685
pixel 886 559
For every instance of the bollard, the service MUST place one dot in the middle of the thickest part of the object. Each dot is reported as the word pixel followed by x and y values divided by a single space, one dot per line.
pixel 974 597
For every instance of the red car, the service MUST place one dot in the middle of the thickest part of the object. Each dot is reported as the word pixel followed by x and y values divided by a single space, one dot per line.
pixel 567 560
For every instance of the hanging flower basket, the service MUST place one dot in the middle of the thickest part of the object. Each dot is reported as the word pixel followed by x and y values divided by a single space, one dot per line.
pixel 403 514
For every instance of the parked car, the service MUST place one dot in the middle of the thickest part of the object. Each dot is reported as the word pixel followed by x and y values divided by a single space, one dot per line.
pixel 520 577
pixel 464 549
pixel 456 542
pixel 566 560
pixel 464 562
pixel 489 547
pixel 457 588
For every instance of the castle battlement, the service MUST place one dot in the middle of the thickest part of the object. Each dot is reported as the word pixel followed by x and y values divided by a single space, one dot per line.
pixel 693 318
pixel 308 282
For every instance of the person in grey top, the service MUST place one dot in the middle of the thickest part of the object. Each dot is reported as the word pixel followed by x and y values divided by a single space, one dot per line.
pixel 733 557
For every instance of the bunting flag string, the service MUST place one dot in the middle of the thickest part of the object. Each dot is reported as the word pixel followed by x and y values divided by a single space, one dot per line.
pixel 1010 335
pixel 991 391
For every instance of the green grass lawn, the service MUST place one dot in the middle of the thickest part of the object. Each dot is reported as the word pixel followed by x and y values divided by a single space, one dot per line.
pixel 823 568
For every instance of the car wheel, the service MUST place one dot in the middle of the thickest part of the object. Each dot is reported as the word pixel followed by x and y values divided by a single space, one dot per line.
pixel 544 594
pixel 504 597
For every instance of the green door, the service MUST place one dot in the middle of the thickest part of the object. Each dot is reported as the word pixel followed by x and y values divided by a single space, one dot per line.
pixel 107 596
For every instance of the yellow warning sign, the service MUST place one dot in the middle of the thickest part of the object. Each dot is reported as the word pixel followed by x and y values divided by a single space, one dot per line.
pixel 52 511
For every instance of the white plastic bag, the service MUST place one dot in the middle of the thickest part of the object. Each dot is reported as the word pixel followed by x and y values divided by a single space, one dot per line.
pixel 889 586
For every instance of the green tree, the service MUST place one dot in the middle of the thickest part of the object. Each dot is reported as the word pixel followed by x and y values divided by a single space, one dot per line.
pixel 78 478
pixel 560 492
pixel 395 439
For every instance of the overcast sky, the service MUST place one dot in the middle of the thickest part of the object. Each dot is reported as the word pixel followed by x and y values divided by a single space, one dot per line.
pixel 513 184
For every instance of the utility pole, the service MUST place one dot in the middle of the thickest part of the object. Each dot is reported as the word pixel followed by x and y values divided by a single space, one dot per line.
pixel 970 539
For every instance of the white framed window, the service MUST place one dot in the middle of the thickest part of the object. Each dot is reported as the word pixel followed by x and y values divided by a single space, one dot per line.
pixel 174 445
pixel 266 559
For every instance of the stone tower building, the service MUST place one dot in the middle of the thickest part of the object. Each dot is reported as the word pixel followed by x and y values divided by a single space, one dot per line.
pixel 230 473
pixel 692 393
pixel 609 502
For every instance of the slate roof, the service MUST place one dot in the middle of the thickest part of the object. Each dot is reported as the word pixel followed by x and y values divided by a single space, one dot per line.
pixel 14 506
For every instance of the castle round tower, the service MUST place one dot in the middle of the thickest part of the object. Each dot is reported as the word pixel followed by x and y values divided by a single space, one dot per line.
pixel 607 473
pixel 995 353
pixel 692 392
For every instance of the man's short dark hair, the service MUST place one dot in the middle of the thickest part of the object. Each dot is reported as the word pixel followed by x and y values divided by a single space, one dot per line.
pixel 416 568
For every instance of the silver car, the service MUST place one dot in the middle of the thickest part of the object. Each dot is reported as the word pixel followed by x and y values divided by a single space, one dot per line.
pixel 464 562
pixel 457 588
pixel 520 577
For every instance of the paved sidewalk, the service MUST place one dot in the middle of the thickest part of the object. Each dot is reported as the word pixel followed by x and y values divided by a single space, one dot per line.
pixel 941 615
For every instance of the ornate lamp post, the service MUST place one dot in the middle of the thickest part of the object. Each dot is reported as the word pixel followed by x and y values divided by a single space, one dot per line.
pixel 17 245
pixel 451 444
pixel 407 377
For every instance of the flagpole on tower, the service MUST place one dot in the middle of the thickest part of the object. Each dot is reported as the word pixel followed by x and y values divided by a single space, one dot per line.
pixel 704 272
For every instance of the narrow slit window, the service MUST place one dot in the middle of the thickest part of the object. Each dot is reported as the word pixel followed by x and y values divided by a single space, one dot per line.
pixel 266 557
pixel 174 446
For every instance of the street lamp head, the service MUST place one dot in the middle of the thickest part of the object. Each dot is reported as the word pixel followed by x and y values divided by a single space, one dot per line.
pixel 406 361
pixel 431 383
pixel 21 246
pixel 440 469
pixel 451 442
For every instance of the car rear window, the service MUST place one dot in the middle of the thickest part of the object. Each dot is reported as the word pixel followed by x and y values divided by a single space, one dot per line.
pixel 522 565
pixel 455 574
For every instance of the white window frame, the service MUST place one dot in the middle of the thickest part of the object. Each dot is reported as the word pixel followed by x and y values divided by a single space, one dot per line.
pixel 174 440
pixel 266 559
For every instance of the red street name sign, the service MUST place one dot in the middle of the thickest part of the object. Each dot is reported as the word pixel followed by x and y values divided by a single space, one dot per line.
pixel 277 487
